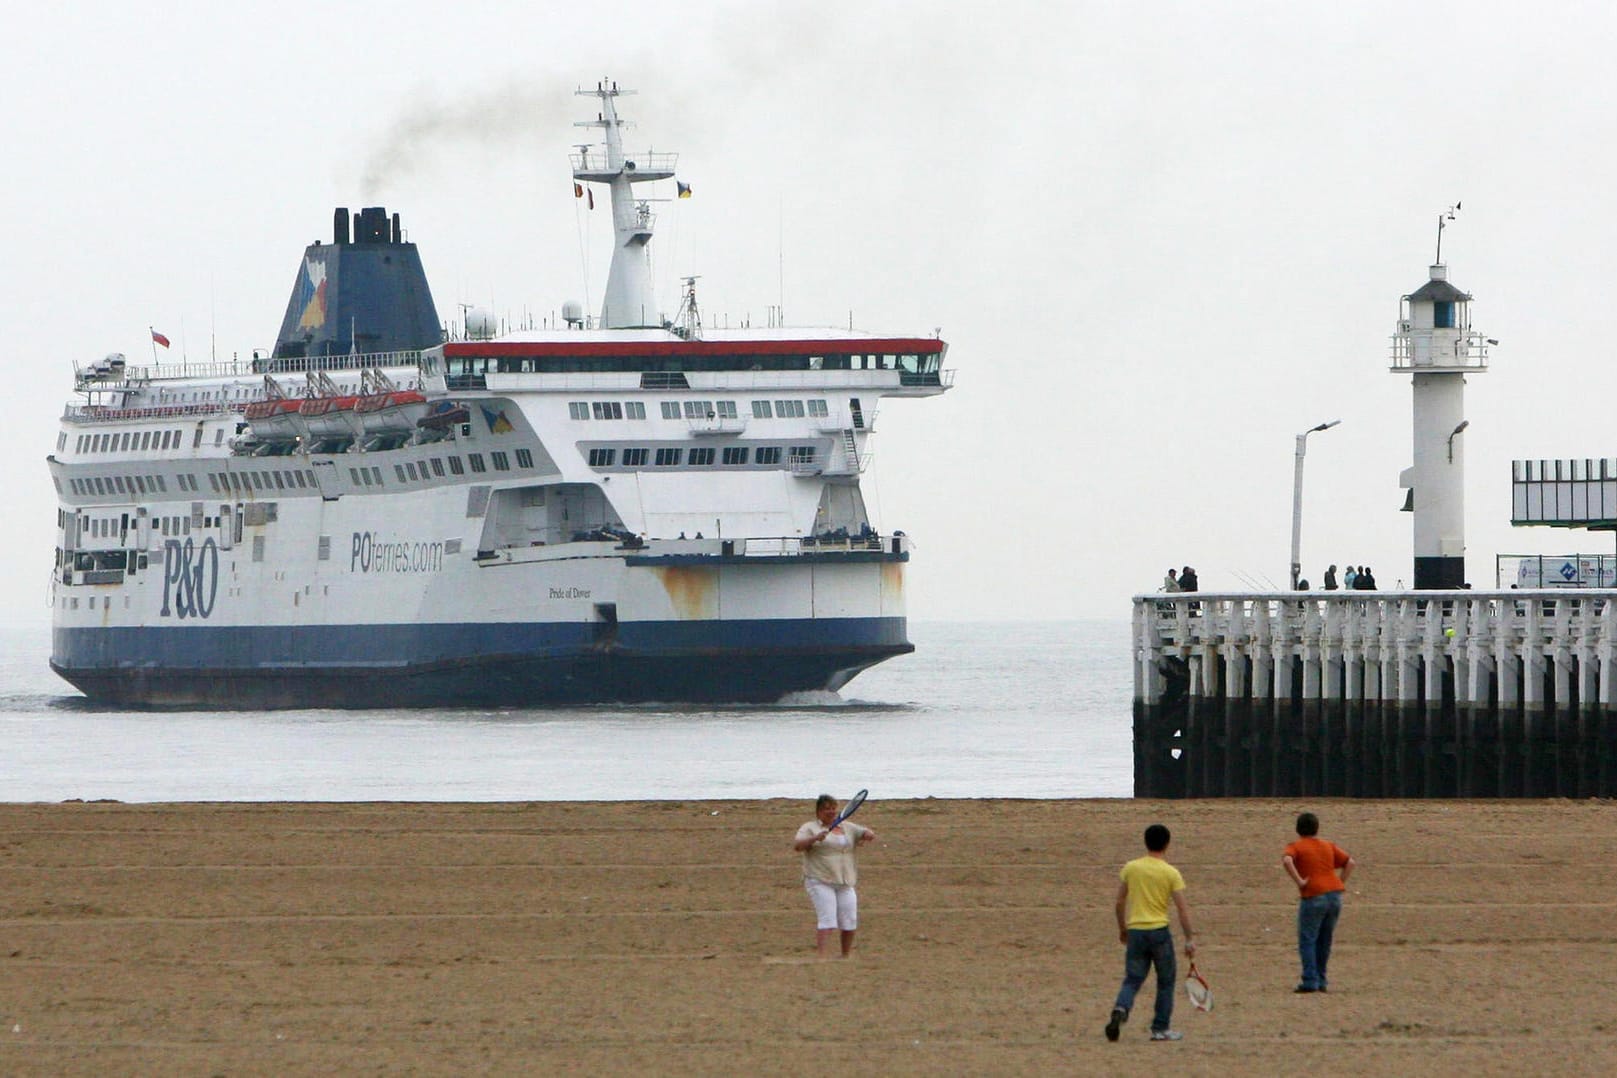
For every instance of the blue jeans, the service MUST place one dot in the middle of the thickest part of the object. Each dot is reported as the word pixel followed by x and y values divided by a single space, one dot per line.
pixel 1148 947
pixel 1316 925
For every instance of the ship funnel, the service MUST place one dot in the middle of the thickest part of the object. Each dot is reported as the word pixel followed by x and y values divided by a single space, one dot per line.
pixel 364 292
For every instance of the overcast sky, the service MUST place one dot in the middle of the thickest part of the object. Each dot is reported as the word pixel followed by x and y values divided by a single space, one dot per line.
pixel 1160 239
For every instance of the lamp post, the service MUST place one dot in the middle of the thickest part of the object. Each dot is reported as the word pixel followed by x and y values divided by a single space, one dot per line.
pixel 1297 502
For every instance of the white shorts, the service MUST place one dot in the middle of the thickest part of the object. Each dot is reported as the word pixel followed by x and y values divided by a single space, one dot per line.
pixel 835 904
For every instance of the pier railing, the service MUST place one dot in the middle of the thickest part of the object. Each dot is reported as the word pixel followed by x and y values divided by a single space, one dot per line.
pixel 1512 649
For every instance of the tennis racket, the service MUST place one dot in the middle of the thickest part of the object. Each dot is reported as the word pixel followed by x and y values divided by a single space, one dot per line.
pixel 849 809
pixel 1197 988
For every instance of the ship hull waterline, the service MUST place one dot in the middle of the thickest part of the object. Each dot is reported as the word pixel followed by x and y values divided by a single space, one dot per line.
pixel 582 671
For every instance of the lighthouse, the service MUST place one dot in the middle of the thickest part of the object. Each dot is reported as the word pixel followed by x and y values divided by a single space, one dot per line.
pixel 1436 346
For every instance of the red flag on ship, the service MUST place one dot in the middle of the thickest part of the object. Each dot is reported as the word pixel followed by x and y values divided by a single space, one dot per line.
pixel 158 338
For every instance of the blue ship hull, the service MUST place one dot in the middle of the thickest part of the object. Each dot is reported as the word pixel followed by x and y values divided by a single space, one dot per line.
pixel 470 665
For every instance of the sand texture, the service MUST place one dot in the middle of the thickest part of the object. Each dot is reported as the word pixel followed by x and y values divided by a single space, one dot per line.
pixel 675 938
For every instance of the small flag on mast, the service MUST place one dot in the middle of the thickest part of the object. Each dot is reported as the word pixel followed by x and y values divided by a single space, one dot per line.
pixel 684 189
pixel 158 338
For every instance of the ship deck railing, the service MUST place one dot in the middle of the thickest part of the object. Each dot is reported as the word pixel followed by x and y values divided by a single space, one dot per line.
pixel 1519 646
pixel 132 376
pixel 100 413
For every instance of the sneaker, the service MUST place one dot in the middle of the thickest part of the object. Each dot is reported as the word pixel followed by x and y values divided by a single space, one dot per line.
pixel 1305 988
pixel 1119 1016
pixel 1167 1035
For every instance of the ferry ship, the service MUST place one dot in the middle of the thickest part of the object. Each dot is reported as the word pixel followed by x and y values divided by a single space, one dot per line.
pixel 377 513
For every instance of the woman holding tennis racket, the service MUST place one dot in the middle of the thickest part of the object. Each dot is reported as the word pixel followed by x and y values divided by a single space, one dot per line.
pixel 830 871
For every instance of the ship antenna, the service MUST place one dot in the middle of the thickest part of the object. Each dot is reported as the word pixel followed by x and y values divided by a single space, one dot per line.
pixel 1442 218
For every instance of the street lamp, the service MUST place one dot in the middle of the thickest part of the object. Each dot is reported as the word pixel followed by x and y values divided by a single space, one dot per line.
pixel 1297 501
pixel 1464 423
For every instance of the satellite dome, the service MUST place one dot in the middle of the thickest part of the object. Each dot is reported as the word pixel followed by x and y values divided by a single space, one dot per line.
pixel 572 312
pixel 479 323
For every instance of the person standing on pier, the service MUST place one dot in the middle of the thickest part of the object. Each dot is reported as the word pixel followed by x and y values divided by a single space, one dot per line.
pixel 1350 578
pixel 1170 583
pixel 1330 578
pixel 1320 870
pixel 1148 883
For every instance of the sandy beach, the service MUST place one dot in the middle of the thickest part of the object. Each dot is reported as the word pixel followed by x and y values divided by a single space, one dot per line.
pixel 675 938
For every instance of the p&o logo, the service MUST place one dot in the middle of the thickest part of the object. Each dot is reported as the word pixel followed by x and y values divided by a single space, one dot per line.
pixel 190 578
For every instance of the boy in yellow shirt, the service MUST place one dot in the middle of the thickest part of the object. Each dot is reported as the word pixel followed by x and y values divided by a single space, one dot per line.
pixel 1148 883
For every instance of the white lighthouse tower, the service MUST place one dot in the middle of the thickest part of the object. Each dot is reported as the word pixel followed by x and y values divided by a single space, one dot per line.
pixel 1437 346
pixel 630 301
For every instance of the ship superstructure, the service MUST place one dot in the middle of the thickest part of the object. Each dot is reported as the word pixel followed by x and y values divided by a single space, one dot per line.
pixel 369 515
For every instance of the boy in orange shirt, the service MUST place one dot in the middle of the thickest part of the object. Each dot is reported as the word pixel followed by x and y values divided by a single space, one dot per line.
pixel 1313 865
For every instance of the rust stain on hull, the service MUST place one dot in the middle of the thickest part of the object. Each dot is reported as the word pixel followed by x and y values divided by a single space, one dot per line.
pixel 892 585
pixel 693 591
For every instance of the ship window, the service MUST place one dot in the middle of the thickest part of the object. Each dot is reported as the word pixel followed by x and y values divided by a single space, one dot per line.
pixel 438 465
pixel 409 469
pixel 258 548
pixel 297 477
pixel 784 409
pixel 608 410
pixel 476 461
pixel 769 454
pixel 524 460
pixel 760 410
pixel 602 458
pixel 456 467
pixel 635 458
pixel 802 454
pixel 635 409
pixel 701 457
pixel 219 436
pixel 213 481
pixel 119 480
pixel 145 439
pixel 376 474
pixel 124 445
pixel 818 408
pixel 279 483
pixel 197 439
pixel 670 409
pixel 140 485
pixel 398 470
pixel 698 409
pixel 502 462
pixel 578 409
pixel 353 475
pixel 668 458
pixel 727 409
pixel 1443 314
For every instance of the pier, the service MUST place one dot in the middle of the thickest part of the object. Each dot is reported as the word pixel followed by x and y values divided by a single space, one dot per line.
pixel 1376 694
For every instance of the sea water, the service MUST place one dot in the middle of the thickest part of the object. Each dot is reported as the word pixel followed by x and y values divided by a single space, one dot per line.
pixel 1008 709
